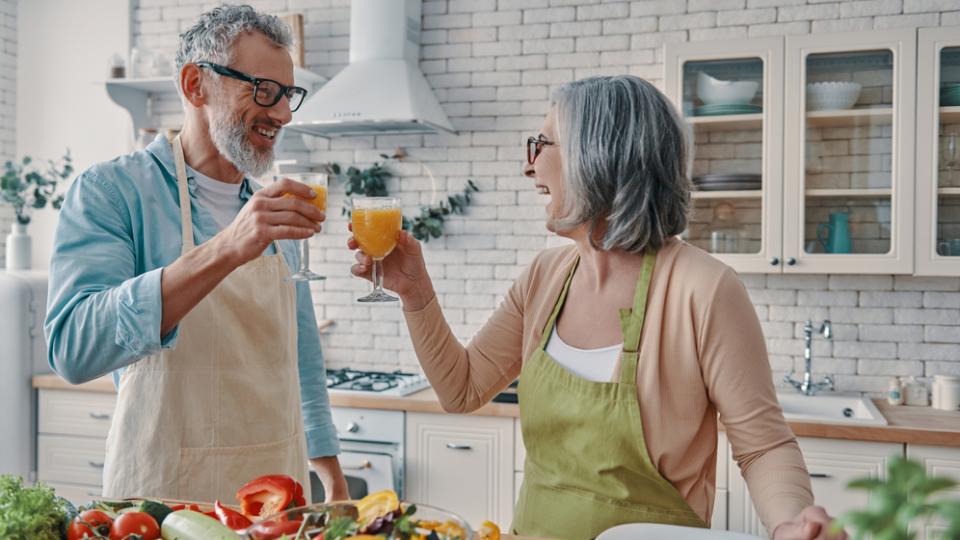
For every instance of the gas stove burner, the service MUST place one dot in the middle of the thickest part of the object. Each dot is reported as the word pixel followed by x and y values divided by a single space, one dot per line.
pixel 396 383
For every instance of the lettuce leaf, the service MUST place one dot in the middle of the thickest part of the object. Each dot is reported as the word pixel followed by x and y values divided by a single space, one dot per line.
pixel 34 513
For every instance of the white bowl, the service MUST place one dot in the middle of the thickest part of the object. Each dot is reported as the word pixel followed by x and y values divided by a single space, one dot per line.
pixel 832 95
pixel 716 92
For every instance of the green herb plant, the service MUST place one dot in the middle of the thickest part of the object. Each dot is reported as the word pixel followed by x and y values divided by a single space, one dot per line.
pixel 906 497
pixel 34 513
pixel 26 187
pixel 372 182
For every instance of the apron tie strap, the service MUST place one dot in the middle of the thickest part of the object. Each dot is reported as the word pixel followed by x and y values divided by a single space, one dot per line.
pixel 186 223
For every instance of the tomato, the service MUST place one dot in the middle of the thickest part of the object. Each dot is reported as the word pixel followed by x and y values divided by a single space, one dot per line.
pixel 89 524
pixel 178 507
pixel 138 525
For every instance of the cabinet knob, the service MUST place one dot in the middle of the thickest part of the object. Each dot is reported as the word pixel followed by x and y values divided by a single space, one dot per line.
pixel 454 446
pixel 96 464
pixel 819 475
pixel 352 427
pixel 99 416
pixel 791 261
pixel 774 261
pixel 365 464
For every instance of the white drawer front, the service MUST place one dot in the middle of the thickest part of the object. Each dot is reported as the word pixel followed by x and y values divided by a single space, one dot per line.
pixel 76 494
pixel 72 460
pixel 68 412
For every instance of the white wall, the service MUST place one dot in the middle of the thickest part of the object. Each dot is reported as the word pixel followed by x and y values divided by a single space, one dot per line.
pixel 64 48
pixel 8 102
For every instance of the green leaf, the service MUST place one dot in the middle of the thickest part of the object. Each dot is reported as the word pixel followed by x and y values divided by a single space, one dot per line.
pixel 26 160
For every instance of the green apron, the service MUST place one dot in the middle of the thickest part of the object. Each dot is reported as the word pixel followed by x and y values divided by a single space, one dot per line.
pixel 587 467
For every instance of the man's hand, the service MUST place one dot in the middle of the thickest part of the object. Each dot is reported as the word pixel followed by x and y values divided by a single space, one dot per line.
pixel 812 523
pixel 330 474
pixel 270 216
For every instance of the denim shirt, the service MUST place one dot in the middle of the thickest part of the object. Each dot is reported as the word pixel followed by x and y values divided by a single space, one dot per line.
pixel 119 226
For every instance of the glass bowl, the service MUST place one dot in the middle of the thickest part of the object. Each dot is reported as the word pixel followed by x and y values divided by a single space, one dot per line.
pixel 275 526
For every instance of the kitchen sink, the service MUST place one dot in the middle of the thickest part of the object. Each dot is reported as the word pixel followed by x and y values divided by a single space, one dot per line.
pixel 830 408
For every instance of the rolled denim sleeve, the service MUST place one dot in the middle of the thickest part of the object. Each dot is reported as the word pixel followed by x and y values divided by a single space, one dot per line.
pixel 317 421
pixel 101 314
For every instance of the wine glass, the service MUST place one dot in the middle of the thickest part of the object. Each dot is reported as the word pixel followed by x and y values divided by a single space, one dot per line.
pixel 950 151
pixel 376 223
pixel 318 183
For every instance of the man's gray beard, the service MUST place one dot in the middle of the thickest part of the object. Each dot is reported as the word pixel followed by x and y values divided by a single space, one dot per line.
pixel 230 138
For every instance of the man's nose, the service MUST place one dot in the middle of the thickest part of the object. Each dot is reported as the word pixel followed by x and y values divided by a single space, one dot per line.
pixel 281 111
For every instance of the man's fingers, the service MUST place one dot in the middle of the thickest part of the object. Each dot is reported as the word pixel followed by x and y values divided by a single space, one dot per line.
pixel 285 185
pixel 289 232
pixel 291 218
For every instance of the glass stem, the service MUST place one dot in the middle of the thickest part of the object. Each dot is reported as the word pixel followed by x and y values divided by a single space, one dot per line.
pixel 377 275
pixel 305 255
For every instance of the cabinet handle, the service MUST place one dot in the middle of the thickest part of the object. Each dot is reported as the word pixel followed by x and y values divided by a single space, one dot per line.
pixel 96 464
pixel 99 416
pixel 791 261
pixel 774 261
pixel 93 494
pixel 365 464
pixel 454 446
pixel 820 475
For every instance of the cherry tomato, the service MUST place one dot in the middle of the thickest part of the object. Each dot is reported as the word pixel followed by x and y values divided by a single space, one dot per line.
pixel 178 507
pixel 89 524
pixel 135 523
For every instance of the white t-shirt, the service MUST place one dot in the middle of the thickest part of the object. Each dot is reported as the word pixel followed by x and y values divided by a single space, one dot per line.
pixel 221 199
pixel 598 365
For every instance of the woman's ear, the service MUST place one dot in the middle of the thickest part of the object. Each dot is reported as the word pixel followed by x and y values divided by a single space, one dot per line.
pixel 190 85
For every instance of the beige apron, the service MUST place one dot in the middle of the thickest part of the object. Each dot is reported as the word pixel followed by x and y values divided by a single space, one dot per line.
pixel 199 421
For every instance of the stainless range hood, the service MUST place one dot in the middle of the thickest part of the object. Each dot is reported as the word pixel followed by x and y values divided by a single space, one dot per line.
pixel 382 90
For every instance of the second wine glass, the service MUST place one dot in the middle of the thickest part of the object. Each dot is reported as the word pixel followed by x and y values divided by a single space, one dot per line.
pixel 318 183
pixel 376 224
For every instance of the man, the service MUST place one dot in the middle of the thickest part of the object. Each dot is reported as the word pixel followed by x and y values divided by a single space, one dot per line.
pixel 213 352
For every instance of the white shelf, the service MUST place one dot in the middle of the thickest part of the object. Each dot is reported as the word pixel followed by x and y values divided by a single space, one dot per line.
pixel 850 117
pixel 948 191
pixel 731 194
pixel 727 121
pixel 949 115
pixel 135 94
pixel 862 193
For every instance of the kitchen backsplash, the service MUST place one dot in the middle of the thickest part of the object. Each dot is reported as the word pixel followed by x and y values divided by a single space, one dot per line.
pixel 492 65
pixel 8 102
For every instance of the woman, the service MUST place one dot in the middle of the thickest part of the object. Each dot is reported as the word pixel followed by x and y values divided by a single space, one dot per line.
pixel 627 343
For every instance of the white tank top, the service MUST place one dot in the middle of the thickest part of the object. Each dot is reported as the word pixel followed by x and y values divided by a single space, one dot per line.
pixel 597 365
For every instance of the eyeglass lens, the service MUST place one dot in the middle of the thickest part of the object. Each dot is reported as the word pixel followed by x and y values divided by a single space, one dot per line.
pixel 268 94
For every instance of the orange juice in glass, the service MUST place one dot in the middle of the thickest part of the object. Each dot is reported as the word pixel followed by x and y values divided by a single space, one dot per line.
pixel 376 224
pixel 318 183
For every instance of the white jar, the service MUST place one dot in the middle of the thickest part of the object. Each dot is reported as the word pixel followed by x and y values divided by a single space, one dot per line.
pixel 895 392
pixel 946 392
pixel 915 393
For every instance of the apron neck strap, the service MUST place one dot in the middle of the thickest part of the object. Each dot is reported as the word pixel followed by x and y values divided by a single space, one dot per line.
pixel 186 221
pixel 631 320
pixel 548 327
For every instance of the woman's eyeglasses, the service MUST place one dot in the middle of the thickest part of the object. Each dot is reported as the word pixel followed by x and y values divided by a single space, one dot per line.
pixel 535 146
pixel 266 92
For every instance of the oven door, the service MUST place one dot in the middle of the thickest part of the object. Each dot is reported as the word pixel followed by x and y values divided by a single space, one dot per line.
pixel 366 472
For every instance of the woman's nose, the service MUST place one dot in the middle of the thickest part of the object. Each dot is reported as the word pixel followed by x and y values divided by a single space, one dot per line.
pixel 528 170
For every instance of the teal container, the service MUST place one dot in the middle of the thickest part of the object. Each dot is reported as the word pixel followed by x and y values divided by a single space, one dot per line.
pixel 835 236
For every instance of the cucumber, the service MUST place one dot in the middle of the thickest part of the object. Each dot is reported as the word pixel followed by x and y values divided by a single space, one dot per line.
pixel 157 510
pixel 190 525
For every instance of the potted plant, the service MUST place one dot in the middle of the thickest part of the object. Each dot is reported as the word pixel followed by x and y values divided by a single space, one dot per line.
pixel 906 498
pixel 27 187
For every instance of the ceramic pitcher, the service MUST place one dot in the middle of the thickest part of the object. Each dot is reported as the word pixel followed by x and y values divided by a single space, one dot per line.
pixel 835 236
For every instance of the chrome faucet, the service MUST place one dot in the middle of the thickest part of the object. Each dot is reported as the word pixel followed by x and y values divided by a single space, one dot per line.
pixel 807 386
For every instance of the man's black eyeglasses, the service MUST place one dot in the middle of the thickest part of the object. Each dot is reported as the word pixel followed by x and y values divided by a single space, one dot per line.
pixel 266 92
pixel 535 146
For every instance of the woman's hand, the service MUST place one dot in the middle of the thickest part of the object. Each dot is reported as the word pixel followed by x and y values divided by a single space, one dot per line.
pixel 404 271
pixel 812 523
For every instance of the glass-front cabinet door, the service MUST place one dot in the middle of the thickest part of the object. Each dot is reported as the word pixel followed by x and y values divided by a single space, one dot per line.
pixel 731 100
pixel 848 160
pixel 938 152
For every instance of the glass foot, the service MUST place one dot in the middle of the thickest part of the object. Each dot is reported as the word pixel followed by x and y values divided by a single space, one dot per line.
pixel 305 275
pixel 378 296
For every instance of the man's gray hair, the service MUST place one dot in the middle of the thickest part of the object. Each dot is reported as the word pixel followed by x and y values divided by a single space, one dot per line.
pixel 211 38
pixel 624 157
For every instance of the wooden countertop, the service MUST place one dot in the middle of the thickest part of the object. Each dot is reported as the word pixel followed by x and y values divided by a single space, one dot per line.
pixel 913 425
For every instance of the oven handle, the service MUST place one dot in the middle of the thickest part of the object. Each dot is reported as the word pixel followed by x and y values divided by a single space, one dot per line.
pixel 365 464
pixel 455 446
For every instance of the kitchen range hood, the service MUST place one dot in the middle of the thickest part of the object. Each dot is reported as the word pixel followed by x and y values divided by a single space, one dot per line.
pixel 382 90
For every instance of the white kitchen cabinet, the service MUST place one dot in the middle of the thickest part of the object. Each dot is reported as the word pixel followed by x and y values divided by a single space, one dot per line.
pixel 462 463
pixel 837 183
pixel 71 442
pixel 938 461
pixel 938 152
pixel 832 464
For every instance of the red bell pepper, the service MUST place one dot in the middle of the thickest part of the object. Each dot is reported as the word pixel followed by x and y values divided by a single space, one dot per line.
pixel 267 495
pixel 271 530
pixel 231 518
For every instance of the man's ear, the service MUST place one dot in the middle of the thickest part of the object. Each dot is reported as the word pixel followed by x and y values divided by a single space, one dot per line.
pixel 190 79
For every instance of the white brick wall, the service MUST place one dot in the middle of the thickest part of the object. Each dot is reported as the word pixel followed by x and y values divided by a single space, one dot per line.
pixel 492 65
pixel 8 104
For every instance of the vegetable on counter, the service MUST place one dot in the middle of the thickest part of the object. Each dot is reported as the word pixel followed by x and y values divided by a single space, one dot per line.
pixel 190 525
pixel 135 525
pixel 267 495
pixel 90 524
pixel 157 510
pixel 31 512
pixel 231 518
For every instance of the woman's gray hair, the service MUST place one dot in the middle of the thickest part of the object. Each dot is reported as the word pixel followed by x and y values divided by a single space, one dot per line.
pixel 211 38
pixel 624 157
